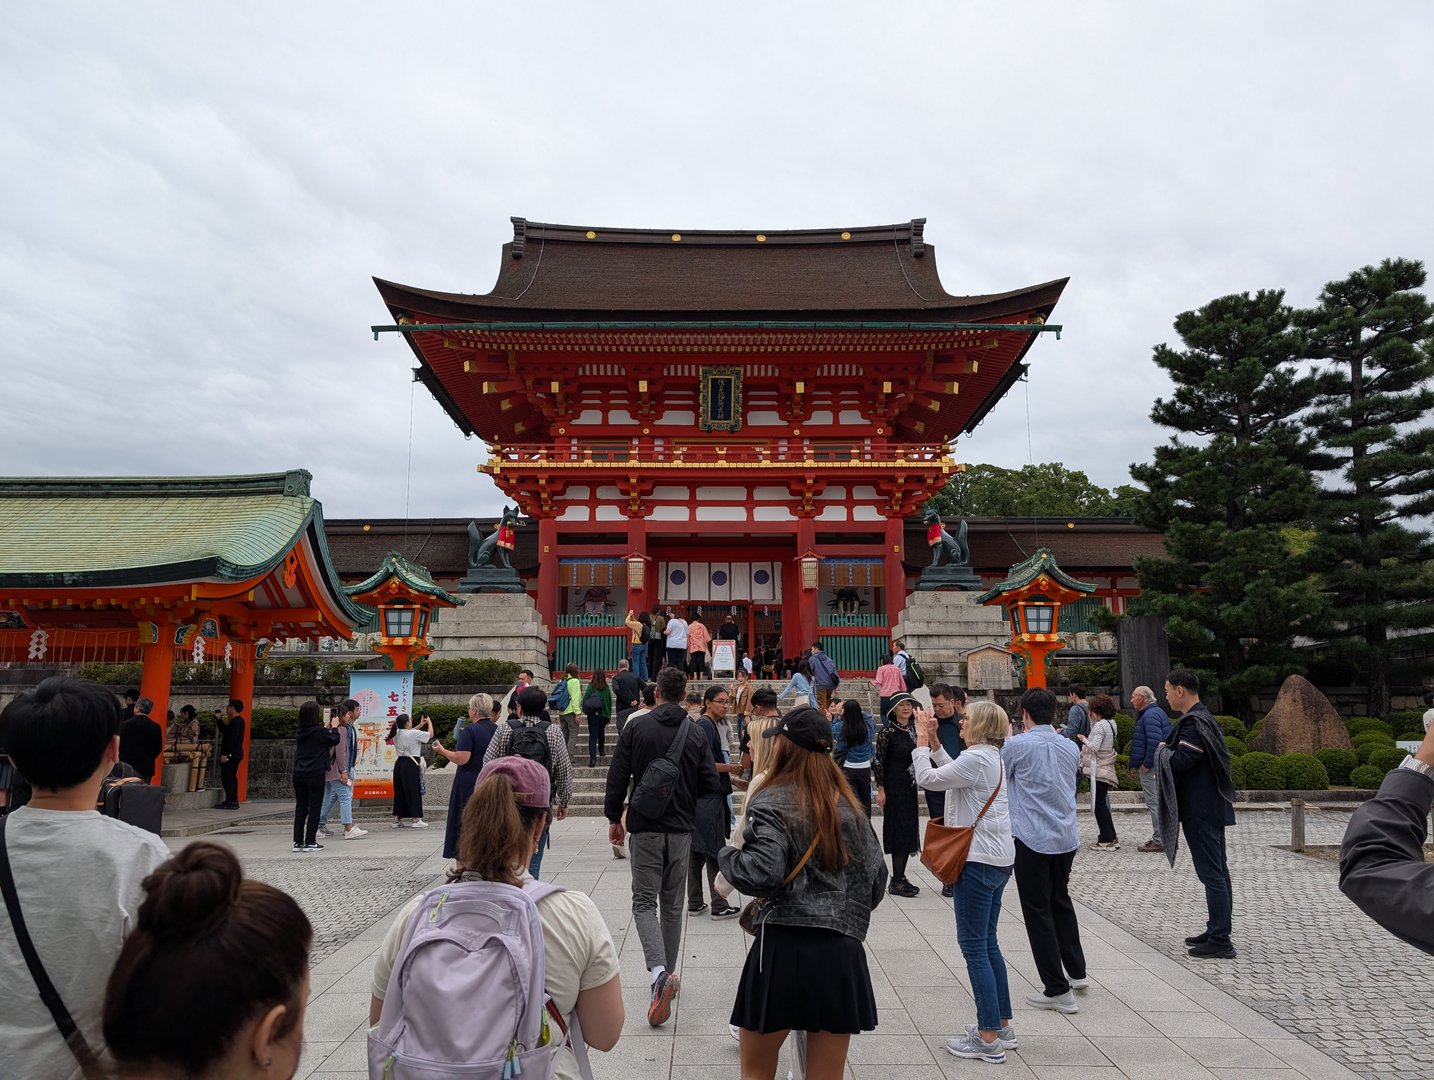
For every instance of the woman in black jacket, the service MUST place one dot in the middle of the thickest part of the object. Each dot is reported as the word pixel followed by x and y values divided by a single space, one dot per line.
pixel 313 746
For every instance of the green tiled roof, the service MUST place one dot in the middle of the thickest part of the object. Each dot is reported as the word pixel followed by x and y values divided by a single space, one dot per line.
pixel 411 574
pixel 1026 571
pixel 94 532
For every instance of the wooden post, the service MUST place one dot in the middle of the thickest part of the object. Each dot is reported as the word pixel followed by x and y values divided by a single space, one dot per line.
pixel 1297 824
pixel 154 683
pixel 241 686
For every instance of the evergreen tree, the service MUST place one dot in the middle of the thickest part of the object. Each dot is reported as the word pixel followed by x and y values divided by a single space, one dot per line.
pixel 1373 336
pixel 1233 589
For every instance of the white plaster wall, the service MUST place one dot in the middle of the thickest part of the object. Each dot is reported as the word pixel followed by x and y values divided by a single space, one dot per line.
pixel 852 416
pixel 821 416
pixel 670 494
pixel 678 416
pixel 866 513
pixel 771 513
pixel 574 513
pixel 721 494
pixel 609 493
pixel 609 513
pixel 764 419
pixel 832 513
pixel 859 493
pixel 721 513
pixel 669 513
pixel 619 416
pixel 830 493
pixel 577 493
pixel 771 494
pixel 589 416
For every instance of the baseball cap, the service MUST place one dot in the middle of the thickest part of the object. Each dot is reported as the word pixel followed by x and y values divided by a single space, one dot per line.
pixel 806 727
pixel 529 779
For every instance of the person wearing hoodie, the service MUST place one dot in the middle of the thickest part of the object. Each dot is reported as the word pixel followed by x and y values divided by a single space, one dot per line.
pixel 1197 790
pixel 661 836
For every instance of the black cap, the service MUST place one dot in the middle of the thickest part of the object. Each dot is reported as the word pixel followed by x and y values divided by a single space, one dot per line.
pixel 806 727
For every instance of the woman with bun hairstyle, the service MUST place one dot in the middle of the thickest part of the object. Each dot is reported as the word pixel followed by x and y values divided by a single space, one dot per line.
pixel 502 822
pixel 408 741
pixel 313 747
pixel 212 981
pixel 809 850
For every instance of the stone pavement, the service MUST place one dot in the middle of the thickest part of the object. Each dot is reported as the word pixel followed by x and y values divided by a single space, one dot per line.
pixel 1311 967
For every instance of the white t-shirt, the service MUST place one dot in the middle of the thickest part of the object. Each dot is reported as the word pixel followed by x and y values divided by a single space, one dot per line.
pixel 409 742
pixel 578 953
pixel 676 633
pixel 78 876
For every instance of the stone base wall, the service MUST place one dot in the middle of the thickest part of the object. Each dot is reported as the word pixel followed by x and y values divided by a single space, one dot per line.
pixel 939 627
pixel 504 626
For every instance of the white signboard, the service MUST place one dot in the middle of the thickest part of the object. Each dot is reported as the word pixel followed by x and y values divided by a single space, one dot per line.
pixel 724 657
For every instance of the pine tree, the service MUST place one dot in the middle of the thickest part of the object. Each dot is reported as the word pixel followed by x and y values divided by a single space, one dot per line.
pixel 1234 589
pixel 1373 336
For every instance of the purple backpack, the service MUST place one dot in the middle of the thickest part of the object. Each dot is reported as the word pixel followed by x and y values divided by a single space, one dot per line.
pixel 466 998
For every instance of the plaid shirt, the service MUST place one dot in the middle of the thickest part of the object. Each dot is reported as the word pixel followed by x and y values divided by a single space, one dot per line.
pixel 557 752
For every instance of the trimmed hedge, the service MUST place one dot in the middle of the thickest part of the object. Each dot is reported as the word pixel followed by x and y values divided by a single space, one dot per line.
pixel 1129 779
pixel 1358 725
pixel 287 671
pixel 1237 773
pixel 1369 749
pixel 467 672
pixel 1382 738
pixel 1407 723
pixel 1338 763
pixel 1124 732
pixel 1303 772
pixel 444 717
pixel 1384 760
pixel 1232 726
pixel 271 723
pixel 1237 747
pixel 1366 776
pixel 1263 772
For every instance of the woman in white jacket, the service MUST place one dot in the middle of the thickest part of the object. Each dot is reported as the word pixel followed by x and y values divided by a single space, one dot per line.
pixel 970 780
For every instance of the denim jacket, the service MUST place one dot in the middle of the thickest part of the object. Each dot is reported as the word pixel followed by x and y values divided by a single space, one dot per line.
pixel 853 756
pixel 774 841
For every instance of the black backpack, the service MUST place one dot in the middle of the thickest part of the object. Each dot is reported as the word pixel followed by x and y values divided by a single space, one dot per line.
pixel 653 793
pixel 915 677
pixel 531 741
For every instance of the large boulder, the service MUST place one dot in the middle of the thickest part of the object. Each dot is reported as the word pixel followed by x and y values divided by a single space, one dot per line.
pixel 1301 722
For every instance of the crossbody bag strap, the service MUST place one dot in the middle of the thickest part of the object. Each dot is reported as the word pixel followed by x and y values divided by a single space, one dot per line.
pixel 992 799
pixel 802 862
pixel 71 1033
pixel 674 751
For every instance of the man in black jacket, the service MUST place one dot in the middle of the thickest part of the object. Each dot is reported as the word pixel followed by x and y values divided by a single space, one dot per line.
pixel 659 846
pixel 141 740
pixel 626 693
pixel 231 751
pixel 1199 762
pixel 1381 865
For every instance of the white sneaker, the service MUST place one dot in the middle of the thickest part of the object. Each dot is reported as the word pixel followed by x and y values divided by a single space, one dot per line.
pixel 322 834
pixel 1064 1003
pixel 1078 984
pixel 735 1032
pixel 354 833
pixel 420 824
pixel 397 824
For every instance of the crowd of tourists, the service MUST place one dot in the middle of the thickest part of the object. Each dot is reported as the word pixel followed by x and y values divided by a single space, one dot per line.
pixel 91 987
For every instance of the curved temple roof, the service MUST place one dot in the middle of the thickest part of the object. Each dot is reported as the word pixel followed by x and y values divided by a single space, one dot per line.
pixel 878 269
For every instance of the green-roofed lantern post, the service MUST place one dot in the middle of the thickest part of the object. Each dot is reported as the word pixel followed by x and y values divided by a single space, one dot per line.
pixel 1032 595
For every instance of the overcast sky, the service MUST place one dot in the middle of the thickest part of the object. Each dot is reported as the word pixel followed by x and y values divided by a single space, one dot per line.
pixel 193 197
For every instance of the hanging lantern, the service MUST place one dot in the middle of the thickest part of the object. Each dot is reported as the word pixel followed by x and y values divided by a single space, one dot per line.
pixel 636 565
pixel 810 561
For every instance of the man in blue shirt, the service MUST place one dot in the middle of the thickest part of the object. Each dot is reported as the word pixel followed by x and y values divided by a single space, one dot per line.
pixel 1041 773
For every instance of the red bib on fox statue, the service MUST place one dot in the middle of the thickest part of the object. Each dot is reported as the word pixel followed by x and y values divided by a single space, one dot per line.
pixel 506 536
pixel 933 534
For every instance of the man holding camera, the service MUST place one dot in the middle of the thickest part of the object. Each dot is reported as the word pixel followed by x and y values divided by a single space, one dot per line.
pixel 339 779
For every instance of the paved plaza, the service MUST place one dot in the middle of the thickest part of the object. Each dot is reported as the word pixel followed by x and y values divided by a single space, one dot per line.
pixel 1317 991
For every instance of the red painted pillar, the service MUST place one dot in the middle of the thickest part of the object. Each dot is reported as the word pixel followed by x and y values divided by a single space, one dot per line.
pixel 548 577
pixel 894 573
pixel 241 686
pixel 807 610
pixel 154 683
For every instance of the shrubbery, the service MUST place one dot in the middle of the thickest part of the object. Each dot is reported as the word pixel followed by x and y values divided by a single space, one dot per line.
pixel 1129 778
pixel 1263 772
pixel 1358 725
pixel 1407 723
pixel 1237 773
pixel 467 672
pixel 1384 760
pixel 1367 750
pixel 1237 747
pixel 1232 726
pixel 1338 763
pixel 444 717
pixel 1124 732
pixel 287 671
pixel 1303 772
pixel 270 723
pixel 1366 776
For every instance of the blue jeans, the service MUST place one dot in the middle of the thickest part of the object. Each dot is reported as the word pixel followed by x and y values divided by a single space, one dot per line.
pixel 638 660
pixel 978 907
pixel 1206 841
pixel 343 794
pixel 536 862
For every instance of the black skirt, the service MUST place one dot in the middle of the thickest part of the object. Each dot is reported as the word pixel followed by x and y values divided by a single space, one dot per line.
pixel 407 795
pixel 805 978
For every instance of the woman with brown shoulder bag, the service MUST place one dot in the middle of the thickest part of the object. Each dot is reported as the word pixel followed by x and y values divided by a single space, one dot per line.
pixel 976 800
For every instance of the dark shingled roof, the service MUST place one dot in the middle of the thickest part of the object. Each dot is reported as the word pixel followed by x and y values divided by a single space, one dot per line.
pixel 878 270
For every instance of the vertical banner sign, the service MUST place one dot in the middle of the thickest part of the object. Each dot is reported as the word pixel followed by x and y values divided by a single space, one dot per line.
pixel 724 657
pixel 381 695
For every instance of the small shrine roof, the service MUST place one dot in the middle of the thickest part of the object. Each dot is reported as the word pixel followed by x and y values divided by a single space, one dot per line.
pixel 596 272
pixel 1024 573
pixel 98 532
pixel 415 577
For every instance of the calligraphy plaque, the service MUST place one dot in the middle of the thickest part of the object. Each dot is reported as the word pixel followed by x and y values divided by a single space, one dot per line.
pixel 721 401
